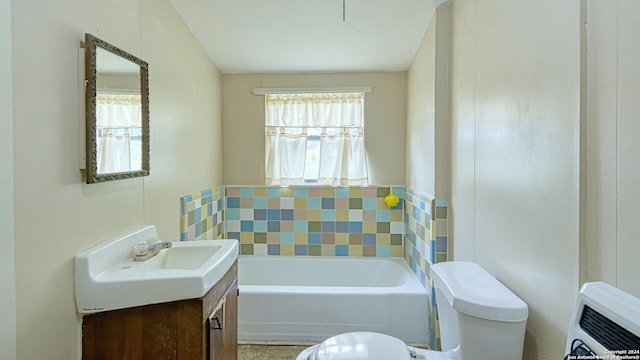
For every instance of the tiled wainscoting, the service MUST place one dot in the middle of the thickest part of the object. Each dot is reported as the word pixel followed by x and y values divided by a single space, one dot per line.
pixel 325 221
pixel 202 214
pixel 426 238
pixel 315 221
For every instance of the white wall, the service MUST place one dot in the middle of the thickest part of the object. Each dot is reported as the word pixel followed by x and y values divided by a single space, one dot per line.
pixel 7 244
pixel 421 115
pixel 515 164
pixel 243 114
pixel 56 214
pixel 613 163
pixel 427 144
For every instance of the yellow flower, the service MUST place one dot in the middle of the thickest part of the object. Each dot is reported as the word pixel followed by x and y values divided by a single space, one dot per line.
pixel 391 200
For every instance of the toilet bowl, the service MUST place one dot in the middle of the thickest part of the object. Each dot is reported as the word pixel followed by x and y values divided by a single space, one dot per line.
pixel 479 318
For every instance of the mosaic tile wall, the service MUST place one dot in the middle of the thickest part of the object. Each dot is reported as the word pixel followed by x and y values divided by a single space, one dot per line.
pixel 315 221
pixel 201 215
pixel 426 237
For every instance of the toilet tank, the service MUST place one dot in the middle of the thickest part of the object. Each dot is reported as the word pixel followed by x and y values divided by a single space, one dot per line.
pixel 477 312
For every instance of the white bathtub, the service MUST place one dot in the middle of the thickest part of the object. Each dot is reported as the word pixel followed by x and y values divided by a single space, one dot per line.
pixel 300 300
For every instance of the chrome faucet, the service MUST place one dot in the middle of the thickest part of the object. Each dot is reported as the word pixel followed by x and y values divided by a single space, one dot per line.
pixel 144 251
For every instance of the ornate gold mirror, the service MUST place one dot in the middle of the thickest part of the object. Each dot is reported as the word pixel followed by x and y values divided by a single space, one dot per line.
pixel 117 113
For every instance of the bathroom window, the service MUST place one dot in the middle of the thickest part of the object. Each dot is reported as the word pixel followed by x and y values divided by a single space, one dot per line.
pixel 315 139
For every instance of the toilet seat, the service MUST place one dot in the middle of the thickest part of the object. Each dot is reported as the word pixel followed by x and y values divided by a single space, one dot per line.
pixel 366 346
pixel 359 346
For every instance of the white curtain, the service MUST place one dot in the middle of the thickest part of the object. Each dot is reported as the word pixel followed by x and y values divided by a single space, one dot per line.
pixel 118 116
pixel 315 138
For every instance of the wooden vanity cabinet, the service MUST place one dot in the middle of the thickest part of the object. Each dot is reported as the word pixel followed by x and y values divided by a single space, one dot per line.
pixel 194 329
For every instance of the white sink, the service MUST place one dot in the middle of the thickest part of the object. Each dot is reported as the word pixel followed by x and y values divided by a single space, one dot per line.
pixel 107 278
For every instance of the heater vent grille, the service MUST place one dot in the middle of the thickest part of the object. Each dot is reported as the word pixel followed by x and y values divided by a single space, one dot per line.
pixel 606 332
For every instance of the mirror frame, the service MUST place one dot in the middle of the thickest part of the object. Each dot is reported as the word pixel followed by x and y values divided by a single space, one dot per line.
pixel 91 45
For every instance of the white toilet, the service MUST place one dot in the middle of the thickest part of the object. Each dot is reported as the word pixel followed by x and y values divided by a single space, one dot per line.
pixel 479 319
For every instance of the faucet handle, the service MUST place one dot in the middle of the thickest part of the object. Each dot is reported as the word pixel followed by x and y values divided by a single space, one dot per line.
pixel 140 249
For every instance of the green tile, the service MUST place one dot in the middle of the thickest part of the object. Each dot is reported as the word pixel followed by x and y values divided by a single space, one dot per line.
pixel 260 238
pixel 383 227
pixel 441 212
pixel 246 249
pixel 382 191
pixel 314 250
pixel 441 257
pixel 355 203
pixel 315 226
pixel 396 239
pixel 192 217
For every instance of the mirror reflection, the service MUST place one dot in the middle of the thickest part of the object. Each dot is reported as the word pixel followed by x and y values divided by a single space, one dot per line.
pixel 117 113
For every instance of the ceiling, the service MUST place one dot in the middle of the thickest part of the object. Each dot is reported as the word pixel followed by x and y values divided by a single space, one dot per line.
pixel 279 36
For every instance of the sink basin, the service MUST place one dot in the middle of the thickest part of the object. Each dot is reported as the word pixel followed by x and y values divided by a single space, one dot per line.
pixel 183 257
pixel 107 278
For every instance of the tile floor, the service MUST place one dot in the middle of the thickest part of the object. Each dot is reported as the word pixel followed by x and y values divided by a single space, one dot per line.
pixel 269 352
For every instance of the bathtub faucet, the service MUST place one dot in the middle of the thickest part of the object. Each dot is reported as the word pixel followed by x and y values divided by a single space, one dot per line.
pixel 143 251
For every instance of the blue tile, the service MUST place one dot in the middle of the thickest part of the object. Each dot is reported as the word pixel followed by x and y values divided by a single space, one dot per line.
pixel 441 202
pixel 246 192
pixel 273 214
pixel 314 239
pixel 210 209
pixel 184 236
pixel 187 198
pixel 260 203
pixel 233 214
pixel 328 226
pixel 233 202
pixel 328 203
pixel 314 203
pixel 369 239
pixel 369 203
pixel 300 226
pixel 300 192
pixel 432 255
pixel 355 227
pixel 273 249
pixel 198 228
pixel 206 193
pixel 273 192
pixel 287 238
pixel 441 244
pixel 260 226
pixel 342 227
pixel 300 249
pixel 246 226
pixel 383 251
pixel 197 215
pixel 233 235
pixel 286 214
pixel 383 215
pixel 259 214
pixel 273 226
pixel 342 250
pixel 328 215
pixel 342 192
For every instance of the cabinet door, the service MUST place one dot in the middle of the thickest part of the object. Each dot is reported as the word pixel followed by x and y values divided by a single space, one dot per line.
pixel 223 327
pixel 230 332
pixel 216 335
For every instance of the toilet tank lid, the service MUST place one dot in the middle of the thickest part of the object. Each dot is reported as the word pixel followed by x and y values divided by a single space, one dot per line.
pixel 472 290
